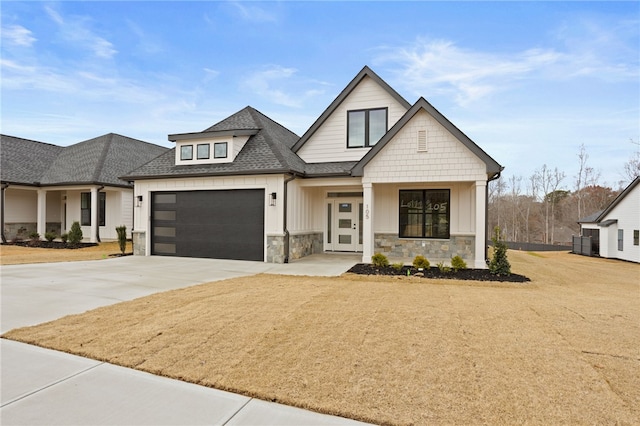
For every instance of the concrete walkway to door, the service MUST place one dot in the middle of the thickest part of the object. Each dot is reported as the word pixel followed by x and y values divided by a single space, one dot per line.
pixel 41 386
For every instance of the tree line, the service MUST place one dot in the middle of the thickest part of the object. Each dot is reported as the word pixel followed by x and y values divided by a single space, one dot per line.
pixel 546 206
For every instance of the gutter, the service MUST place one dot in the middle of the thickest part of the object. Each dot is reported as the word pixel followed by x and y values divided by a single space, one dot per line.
pixel 486 213
pixel 4 237
pixel 284 218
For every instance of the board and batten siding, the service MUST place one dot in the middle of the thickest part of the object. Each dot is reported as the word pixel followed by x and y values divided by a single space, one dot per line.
pixel 329 142
pixel 446 159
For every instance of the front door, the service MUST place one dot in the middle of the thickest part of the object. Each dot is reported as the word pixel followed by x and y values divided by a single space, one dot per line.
pixel 344 225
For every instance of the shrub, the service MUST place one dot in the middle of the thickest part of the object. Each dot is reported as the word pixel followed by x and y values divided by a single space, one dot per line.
pixel 122 237
pixel 34 236
pixel 420 262
pixel 75 234
pixel 379 259
pixel 458 263
pixel 398 266
pixel 499 265
pixel 443 268
pixel 64 237
pixel 50 236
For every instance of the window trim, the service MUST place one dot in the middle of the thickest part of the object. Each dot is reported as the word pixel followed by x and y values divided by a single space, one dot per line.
pixel 620 239
pixel 636 237
pixel 424 214
pixel 183 151
pixel 85 196
pixel 203 145
pixel 226 149
pixel 102 208
pixel 367 142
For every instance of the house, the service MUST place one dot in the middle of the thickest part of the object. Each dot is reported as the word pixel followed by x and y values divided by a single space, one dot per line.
pixel 45 188
pixel 373 173
pixel 615 231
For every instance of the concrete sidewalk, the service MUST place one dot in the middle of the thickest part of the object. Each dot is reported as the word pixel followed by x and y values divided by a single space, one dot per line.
pixel 41 386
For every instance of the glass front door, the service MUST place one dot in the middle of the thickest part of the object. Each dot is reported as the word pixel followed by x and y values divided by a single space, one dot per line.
pixel 344 225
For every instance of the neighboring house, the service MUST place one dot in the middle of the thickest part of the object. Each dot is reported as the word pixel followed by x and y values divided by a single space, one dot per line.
pixel 45 188
pixel 615 231
pixel 372 174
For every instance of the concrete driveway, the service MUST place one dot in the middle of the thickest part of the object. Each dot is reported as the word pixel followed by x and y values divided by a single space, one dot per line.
pixel 41 386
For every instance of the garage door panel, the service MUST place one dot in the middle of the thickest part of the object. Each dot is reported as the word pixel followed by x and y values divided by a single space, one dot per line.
pixel 211 224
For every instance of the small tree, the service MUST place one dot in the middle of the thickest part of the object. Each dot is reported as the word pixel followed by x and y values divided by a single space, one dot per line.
pixel 75 234
pixel 380 260
pixel 122 237
pixel 499 265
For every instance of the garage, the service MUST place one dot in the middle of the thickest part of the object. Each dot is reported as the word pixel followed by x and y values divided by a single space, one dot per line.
pixel 225 224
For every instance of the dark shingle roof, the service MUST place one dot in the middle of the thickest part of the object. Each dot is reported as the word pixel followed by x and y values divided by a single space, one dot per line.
pixel 25 161
pixel 99 160
pixel 267 151
pixel 329 169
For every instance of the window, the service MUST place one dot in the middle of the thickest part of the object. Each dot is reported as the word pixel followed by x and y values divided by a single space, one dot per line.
pixel 186 152
pixel 366 127
pixel 85 208
pixel 220 150
pixel 203 151
pixel 636 237
pixel 620 239
pixel 424 213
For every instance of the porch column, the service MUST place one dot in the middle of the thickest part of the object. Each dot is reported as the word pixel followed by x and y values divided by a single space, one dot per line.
pixel 367 223
pixel 94 215
pixel 481 224
pixel 41 217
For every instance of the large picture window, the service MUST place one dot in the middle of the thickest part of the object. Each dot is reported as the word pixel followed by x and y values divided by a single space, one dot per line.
pixel 366 127
pixel 85 208
pixel 424 213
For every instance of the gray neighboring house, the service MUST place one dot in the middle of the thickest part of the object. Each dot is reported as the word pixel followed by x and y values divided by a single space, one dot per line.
pixel 373 173
pixel 45 187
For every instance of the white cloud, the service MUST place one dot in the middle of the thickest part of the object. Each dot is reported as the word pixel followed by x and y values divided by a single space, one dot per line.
pixel 253 13
pixel 18 35
pixel 268 83
pixel 76 30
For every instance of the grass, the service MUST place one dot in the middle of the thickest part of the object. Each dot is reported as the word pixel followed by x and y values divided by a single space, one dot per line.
pixel 14 255
pixel 562 349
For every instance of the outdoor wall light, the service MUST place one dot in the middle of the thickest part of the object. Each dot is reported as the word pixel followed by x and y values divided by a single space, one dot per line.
pixel 138 200
pixel 272 199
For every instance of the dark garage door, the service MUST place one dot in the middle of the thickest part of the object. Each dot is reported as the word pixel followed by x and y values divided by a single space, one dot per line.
pixel 212 224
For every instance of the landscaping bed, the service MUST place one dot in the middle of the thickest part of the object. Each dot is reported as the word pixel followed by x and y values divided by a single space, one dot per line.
pixel 436 273
pixel 49 244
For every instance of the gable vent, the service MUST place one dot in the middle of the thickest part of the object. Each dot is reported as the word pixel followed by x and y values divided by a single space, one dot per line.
pixel 422 140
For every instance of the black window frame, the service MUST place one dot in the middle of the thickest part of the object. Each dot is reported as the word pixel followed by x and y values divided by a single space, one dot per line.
pixel 226 149
pixel 367 142
pixel 422 212
pixel 203 157
pixel 85 208
pixel 636 237
pixel 620 239
pixel 183 151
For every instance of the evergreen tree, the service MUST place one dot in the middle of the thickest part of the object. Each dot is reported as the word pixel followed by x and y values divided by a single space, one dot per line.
pixel 499 265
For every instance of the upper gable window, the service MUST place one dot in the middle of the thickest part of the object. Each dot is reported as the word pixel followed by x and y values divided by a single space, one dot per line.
pixel 203 151
pixel 366 127
pixel 220 150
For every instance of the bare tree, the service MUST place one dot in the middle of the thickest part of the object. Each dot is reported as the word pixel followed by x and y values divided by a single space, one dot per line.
pixel 587 176
pixel 548 182
pixel 514 201
pixel 632 167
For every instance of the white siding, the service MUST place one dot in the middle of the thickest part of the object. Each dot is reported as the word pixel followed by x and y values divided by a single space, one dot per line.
pixel 329 142
pixel 234 146
pixel 627 213
pixel 21 205
pixel 446 158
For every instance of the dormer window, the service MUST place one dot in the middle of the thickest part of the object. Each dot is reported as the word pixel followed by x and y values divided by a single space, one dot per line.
pixel 220 150
pixel 203 151
pixel 186 152
pixel 366 127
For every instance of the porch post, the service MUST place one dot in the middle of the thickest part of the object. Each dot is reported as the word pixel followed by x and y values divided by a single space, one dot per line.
pixel 367 222
pixel 41 216
pixel 94 215
pixel 481 224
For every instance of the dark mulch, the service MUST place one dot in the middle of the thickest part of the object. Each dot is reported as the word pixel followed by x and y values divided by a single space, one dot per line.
pixel 49 244
pixel 434 272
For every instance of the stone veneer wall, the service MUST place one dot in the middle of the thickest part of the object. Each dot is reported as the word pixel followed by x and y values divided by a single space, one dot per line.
pixel 435 250
pixel 275 248
pixel 138 240
pixel 305 244
pixel 23 229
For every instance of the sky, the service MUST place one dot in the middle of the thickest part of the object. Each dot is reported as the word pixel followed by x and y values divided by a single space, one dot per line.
pixel 529 82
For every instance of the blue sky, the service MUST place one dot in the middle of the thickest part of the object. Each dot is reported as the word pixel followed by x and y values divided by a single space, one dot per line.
pixel 527 81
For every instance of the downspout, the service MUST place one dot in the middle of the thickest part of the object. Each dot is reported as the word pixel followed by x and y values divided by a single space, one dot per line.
pixel 486 216
pixel 4 237
pixel 98 224
pixel 284 218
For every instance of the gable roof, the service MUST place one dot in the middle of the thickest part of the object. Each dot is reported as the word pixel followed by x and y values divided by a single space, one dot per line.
pixel 619 198
pixel 493 168
pixel 365 72
pixel 95 161
pixel 24 161
pixel 268 150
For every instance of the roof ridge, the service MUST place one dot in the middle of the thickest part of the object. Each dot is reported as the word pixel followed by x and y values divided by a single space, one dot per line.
pixel 30 140
pixel 103 155
pixel 267 137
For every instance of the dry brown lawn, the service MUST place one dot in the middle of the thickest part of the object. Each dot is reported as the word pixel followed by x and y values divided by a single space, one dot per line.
pixel 14 255
pixel 563 349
